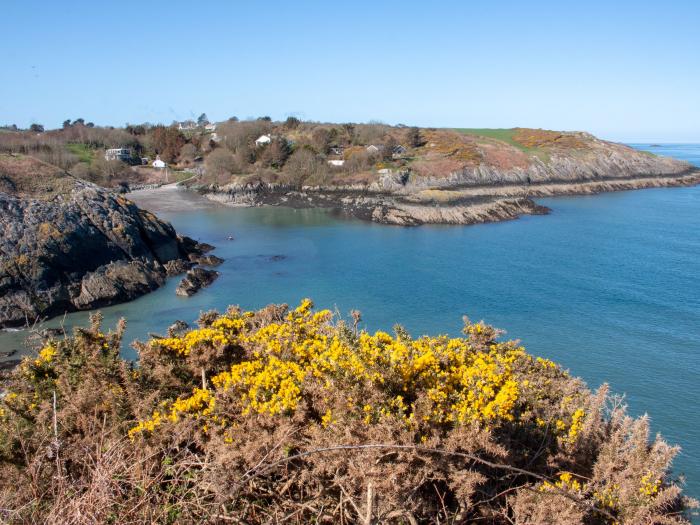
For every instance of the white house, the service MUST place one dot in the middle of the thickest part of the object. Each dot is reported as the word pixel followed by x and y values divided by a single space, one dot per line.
pixel 123 154
pixel 262 140
pixel 334 162
pixel 158 163
pixel 210 127
pixel 187 125
pixel 374 148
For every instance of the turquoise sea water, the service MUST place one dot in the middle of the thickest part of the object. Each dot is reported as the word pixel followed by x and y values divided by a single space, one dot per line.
pixel 606 285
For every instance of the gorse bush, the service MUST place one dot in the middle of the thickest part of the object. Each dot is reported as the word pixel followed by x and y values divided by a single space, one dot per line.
pixel 289 416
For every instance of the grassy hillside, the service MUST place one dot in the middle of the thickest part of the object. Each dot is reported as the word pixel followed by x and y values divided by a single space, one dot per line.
pixel 82 151
pixel 26 176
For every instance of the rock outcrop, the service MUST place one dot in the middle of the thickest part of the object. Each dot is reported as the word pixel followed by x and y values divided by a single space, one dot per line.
pixel 67 245
pixel 195 280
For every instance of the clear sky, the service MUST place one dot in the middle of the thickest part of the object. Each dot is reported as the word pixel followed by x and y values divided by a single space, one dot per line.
pixel 627 71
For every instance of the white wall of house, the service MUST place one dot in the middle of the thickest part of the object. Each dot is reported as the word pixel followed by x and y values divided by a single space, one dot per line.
pixel 262 140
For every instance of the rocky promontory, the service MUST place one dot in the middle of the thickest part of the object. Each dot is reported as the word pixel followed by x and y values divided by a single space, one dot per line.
pixel 67 244
pixel 471 176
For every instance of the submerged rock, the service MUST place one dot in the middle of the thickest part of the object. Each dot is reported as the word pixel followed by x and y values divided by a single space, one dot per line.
pixel 195 280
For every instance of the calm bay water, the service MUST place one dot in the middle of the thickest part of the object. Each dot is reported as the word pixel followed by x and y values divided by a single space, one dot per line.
pixel 606 285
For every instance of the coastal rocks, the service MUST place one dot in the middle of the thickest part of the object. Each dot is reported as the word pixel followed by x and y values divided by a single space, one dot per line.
pixel 206 260
pixel 413 215
pixel 195 280
pixel 80 248
pixel 117 282
pixel 177 328
pixel 177 266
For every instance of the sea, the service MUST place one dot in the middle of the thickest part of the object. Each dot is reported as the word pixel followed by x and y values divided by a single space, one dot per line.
pixel 606 285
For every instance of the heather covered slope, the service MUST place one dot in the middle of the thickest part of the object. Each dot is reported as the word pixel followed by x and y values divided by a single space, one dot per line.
pixel 66 244
pixel 530 156
pixel 287 415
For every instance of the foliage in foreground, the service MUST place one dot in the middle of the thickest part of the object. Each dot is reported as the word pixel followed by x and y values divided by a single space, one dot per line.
pixel 285 416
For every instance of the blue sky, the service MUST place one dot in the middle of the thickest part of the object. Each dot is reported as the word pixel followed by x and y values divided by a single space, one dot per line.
pixel 627 71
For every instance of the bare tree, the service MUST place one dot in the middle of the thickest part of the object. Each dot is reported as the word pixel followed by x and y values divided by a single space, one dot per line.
pixel 220 165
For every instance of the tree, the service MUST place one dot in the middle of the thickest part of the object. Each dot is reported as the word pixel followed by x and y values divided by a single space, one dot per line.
pixel 265 119
pixel 349 130
pixel 167 142
pixel 414 138
pixel 36 128
pixel 275 154
pixel 90 125
pixel 66 123
pixel 188 152
pixel 303 165
pixel 292 122
pixel 138 129
pixel 389 145
pixel 79 122
pixel 220 165
pixel 321 139
pixel 202 120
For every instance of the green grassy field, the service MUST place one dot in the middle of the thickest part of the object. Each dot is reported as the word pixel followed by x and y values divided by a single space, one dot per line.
pixel 502 134
pixel 505 135
pixel 82 151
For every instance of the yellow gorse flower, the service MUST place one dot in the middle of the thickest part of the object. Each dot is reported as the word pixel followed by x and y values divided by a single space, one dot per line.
pixel 649 486
pixel 285 357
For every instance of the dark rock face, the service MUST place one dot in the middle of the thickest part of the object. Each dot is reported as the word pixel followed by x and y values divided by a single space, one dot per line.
pixel 195 280
pixel 79 250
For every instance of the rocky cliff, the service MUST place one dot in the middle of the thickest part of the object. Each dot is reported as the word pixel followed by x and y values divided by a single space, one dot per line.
pixel 67 245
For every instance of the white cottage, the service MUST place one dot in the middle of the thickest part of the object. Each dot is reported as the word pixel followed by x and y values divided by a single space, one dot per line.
pixel 158 163
pixel 262 140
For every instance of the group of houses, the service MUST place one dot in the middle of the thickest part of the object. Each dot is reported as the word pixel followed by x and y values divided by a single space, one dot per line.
pixel 126 154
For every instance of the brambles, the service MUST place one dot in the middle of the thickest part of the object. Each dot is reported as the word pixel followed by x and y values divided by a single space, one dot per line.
pixel 254 416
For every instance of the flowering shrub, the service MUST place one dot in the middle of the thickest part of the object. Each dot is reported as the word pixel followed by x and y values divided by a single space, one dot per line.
pixel 282 412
